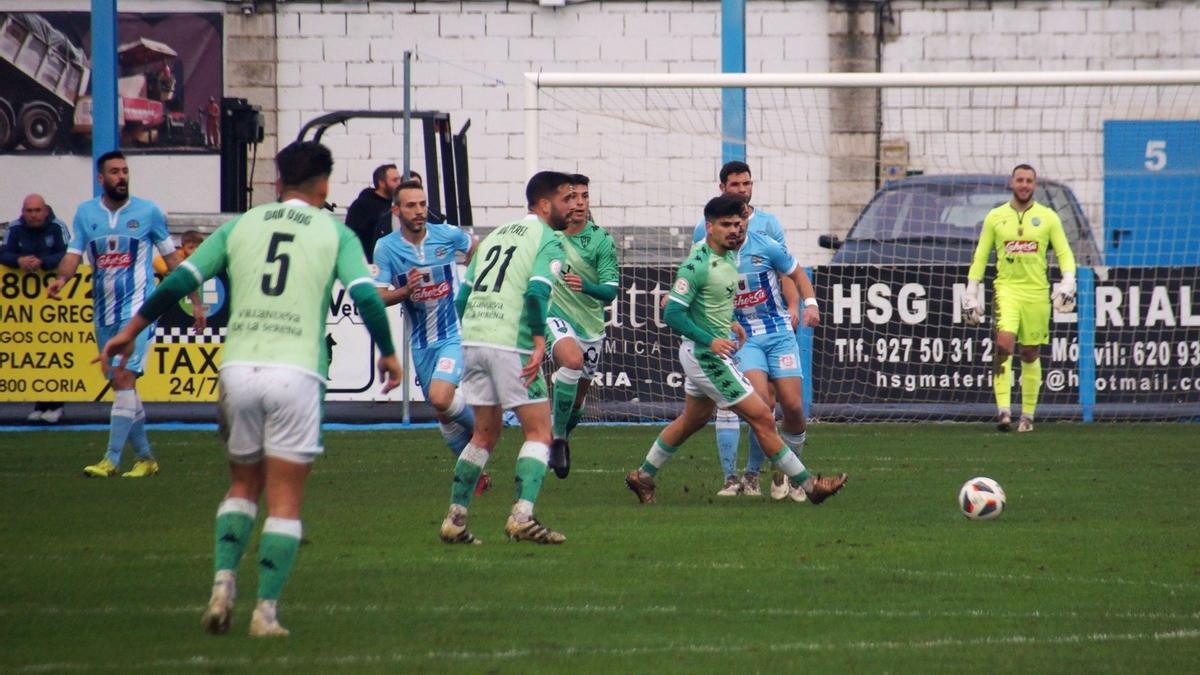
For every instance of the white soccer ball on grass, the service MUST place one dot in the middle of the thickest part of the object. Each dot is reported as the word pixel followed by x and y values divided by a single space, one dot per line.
pixel 981 498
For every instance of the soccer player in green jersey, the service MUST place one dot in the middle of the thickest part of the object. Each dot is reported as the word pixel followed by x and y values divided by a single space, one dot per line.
pixel 1021 232
pixel 282 260
pixel 502 302
pixel 700 308
pixel 575 329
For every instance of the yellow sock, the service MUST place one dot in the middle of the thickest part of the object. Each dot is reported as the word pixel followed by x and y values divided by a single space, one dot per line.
pixel 1002 383
pixel 1031 384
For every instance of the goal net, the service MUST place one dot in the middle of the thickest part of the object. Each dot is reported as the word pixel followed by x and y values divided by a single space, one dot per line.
pixel 881 183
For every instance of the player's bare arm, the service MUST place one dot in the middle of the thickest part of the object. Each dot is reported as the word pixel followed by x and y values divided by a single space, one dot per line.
pixel 66 270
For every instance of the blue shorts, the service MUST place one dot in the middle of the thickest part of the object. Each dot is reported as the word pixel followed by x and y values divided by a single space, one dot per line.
pixel 441 360
pixel 137 360
pixel 777 354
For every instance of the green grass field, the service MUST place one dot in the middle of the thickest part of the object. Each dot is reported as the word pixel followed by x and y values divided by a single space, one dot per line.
pixel 1094 567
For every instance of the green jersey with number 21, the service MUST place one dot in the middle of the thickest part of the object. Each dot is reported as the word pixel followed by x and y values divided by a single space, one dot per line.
pixel 511 258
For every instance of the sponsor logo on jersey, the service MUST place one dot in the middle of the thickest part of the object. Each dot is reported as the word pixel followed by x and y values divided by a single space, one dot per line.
pixel 1011 247
pixel 445 365
pixel 744 300
pixel 681 286
pixel 431 293
pixel 787 361
pixel 556 267
pixel 112 261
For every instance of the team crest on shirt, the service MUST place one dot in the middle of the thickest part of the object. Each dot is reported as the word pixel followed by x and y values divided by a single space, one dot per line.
pixel 439 251
pixel 1036 221
pixel 756 259
pixel 585 240
pixel 133 224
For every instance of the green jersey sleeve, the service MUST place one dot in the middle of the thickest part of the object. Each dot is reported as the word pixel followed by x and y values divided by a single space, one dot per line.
pixel 606 262
pixel 212 255
pixel 1062 247
pixel 983 249
pixel 689 279
pixel 351 265
pixel 547 265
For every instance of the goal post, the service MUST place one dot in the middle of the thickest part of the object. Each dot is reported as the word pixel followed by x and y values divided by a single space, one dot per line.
pixel 881 181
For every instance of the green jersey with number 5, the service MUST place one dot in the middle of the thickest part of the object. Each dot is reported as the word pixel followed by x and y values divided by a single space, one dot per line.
pixel 511 258
pixel 281 260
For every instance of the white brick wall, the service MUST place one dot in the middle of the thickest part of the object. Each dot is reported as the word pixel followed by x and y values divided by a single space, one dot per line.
pixel 1058 131
pixel 470 57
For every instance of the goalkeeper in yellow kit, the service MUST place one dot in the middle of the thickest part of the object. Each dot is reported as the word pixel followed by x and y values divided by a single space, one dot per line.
pixel 1021 231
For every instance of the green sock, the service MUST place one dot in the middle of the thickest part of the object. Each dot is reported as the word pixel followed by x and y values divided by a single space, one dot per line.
pixel 1031 384
pixel 566 385
pixel 466 474
pixel 789 462
pixel 573 421
pixel 531 471
pixel 1002 384
pixel 235 522
pixel 660 453
pixel 276 554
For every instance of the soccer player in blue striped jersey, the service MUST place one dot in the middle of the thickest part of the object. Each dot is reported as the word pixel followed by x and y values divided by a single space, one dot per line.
pixel 770 358
pixel 736 179
pixel 119 233
pixel 417 267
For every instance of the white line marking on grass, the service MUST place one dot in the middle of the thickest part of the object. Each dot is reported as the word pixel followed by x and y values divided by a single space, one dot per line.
pixel 588 608
pixel 205 662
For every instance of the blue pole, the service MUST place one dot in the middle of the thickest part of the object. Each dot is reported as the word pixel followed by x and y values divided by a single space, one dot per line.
pixel 804 337
pixel 104 81
pixel 1085 308
pixel 733 60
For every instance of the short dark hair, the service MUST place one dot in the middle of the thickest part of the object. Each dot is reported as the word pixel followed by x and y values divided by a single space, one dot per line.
pixel 722 206
pixel 303 161
pixel 579 179
pixel 191 237
pixel 413 172
pixel 1020 167
pixel 111 154
pixel 544 185
pixel 406 185
pixel 380 174
pixel 730 168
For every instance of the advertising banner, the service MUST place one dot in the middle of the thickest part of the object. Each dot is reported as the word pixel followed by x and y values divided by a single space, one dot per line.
pixel 47 346
pixel 169 81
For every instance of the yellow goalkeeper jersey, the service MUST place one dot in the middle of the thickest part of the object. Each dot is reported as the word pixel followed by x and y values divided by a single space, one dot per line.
pixel 1021 241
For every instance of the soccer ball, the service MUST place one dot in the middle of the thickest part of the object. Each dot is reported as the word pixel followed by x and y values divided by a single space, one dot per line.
pixel 981 498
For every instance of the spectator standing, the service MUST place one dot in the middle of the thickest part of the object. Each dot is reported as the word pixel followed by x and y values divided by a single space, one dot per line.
pixel 372 204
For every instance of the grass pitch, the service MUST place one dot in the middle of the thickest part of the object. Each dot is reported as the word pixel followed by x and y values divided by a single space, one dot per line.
pixel 1094 567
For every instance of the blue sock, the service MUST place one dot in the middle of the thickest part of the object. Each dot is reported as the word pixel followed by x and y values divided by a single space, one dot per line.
pixel 754 460
pixel 729 435
pixel 137 433
pixel 124 408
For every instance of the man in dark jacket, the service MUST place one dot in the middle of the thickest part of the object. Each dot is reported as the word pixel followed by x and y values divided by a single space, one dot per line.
pixel 387 222
pixel 372 203
pixel 36 242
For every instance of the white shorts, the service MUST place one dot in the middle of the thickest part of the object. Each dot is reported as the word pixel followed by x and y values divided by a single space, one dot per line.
pixel 270 410
pixel 492 376
pixel 709 375
pixel 557 329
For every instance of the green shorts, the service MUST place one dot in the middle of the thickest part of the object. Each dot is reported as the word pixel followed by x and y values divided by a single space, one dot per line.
pixel 1028 317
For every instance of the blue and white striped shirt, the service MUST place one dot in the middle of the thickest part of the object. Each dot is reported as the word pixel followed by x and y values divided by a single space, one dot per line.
pixel 120 248
pixel 430 308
